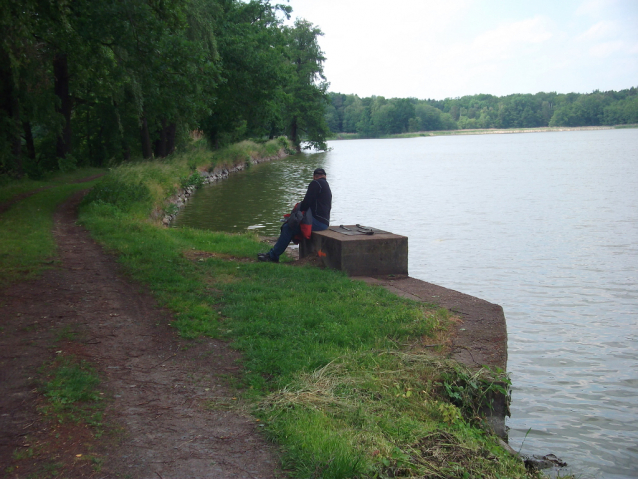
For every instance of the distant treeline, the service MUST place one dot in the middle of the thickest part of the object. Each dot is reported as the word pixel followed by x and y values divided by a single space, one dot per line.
pixel 377 116
pixel 85 82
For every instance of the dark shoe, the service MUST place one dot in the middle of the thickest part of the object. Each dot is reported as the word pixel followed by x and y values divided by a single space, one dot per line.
pixel 266 258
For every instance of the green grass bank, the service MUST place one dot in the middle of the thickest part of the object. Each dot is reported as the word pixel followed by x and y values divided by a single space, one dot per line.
pixel 336 370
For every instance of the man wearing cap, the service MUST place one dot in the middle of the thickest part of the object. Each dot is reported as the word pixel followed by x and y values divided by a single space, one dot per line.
pixel 319 200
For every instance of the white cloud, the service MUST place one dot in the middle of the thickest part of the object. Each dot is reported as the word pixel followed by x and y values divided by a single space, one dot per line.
pixel 434 48
pixel 603 50
pixel 599 30
pixel 504 42
pixel 511 36
pixel 594 7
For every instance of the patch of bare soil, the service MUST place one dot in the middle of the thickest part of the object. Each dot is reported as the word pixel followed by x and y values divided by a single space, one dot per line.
pixel 170 412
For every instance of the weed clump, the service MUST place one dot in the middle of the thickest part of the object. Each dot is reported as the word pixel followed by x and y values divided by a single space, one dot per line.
pixel 114 191
pixel 71 388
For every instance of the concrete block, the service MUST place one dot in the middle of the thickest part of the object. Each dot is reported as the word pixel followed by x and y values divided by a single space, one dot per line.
pixel 359 255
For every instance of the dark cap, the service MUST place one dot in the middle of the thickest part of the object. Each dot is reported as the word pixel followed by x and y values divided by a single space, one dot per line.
pixel 320 171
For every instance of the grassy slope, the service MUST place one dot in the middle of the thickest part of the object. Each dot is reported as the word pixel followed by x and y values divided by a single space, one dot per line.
pixel 334 367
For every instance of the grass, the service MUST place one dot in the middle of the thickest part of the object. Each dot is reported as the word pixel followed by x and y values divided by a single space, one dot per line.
pixel 71 388
pixel 380 413
pixel 158 180
pixel 332 365
pixel 9 188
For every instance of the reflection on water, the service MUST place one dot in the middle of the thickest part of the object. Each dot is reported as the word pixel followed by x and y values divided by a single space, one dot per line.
pixel 544 224
pixel 254 199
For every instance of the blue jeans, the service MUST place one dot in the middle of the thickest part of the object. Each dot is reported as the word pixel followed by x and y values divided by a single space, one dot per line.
pixel 288 233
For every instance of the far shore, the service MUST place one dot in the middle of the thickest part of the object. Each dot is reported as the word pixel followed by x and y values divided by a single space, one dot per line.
pixel 487 131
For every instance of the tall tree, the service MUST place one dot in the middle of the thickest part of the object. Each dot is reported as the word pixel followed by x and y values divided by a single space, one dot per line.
pixel 249 95
pixel 307 97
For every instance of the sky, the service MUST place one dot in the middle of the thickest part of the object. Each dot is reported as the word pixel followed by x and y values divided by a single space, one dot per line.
pixel 450 48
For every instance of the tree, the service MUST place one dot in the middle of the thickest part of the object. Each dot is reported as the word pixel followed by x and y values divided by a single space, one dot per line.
pixel 249 97
pixel 306 89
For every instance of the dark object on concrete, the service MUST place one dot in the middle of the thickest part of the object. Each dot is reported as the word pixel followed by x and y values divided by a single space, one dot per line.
pixel 357 230
pixel 359 254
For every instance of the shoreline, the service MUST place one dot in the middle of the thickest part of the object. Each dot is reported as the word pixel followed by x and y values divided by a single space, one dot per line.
pixel 487 131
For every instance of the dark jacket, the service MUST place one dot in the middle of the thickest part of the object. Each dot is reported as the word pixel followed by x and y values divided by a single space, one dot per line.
pixel 319 199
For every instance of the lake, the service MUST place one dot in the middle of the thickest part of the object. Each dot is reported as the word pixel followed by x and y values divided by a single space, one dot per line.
pixel 544 224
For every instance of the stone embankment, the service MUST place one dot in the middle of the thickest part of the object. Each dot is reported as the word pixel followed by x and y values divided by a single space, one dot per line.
pixel 208 177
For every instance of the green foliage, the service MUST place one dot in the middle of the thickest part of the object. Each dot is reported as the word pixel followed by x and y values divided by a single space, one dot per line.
pixel 144 187
pixel 622 112
pixel 97 83
pixel 473 391
pixel 378 116
pixel 306 91
pixel 113 191
pixel 195 180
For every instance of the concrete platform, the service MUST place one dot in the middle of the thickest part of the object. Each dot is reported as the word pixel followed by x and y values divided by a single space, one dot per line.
pixel 380 253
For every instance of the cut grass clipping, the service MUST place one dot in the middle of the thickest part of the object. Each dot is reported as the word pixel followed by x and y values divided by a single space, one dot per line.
pixel 380 414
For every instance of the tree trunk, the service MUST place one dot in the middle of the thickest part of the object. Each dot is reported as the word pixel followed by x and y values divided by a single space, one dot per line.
pixel 61 87
pixel 147 150
pixel 10 103
pixel 88 134
pixel 160 144
pixel 293 135
pixel 28 136
pixel 126 149
pixel 170 138
pixel 101 150
pixel 16 140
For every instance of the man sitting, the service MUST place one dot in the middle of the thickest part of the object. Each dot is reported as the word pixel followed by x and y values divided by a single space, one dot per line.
pixel 319 199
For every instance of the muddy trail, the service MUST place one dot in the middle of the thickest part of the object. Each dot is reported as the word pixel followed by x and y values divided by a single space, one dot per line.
pixel 170 407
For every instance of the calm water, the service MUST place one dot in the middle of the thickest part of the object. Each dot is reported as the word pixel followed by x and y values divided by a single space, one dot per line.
pixel 544 224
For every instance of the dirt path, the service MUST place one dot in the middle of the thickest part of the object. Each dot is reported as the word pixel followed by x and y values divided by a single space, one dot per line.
pixel 170 413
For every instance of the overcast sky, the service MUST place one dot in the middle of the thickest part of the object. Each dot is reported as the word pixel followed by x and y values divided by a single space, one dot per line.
pixel 449 48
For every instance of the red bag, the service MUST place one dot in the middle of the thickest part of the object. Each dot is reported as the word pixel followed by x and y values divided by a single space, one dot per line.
pixel 300 219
